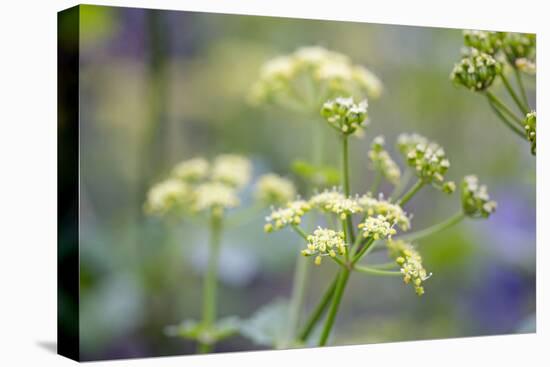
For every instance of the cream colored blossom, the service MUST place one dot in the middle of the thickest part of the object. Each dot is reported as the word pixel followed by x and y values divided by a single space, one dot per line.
pixel 335 202
pixel 274 189
pixel 410 261
pixel 393 212
pixel 378 227
pixel 191 170
pixel 290 214
pixel 475 198
pixel 167 195
pixel 325 242
pixel 232 169
pixel 214 195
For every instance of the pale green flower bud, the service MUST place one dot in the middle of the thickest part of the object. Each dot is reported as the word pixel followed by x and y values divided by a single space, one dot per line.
pixel 393 212
pixel 290 214
pixel 487 42
pixel 378 227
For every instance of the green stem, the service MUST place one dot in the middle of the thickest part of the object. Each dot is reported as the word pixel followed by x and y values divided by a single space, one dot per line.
pixel 297 298
pixel 367 247
pixel 513 94
pixel 210 282
pixel 318 311
pixel 521 87
pixel 499 104
pixel 449 222
pixel 376 183
pixel 335 304
pixel 300 231
pixel 374 271
pixel 384 266
pixel 409 194
pixel 506 121
pixel 350 237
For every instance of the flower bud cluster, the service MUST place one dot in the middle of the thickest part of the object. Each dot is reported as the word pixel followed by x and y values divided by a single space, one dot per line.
pixel 410 261
pixel 291 214
pixel 487 42
pixel 428 160
pixel 273 189
pixel 476 202
pixel 519 48
pixel 344 114
pixel 325 242
pixel 334 201
pixel 393 212
pixel 167 195
pixel 383 162
pixel 476 71
pixel 530 124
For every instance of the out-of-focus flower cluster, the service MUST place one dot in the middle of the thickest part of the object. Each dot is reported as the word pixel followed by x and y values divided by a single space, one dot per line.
pixel 530 124
pixel 383 162
pixel 345 115
pixel 196 185
pixel 476 202
pixel 476 71
pixel 325 242
pixel 428 160
pixel 272 189
pixel 410 261
pixel 311 75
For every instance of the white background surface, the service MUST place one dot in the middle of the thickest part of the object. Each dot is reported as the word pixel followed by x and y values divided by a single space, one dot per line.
pixel 28 183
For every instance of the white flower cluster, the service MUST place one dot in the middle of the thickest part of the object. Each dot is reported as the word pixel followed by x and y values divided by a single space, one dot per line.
pixel 331 73
pixel 475 198
pixel 427 158
pixel 383 162
pixel 195 169
pixel 393 212
pixel 232 169
pixel 274 189
pixel 530 124
pixel 196 185
pixel 166 195
pixel 377 227
pixel 476 71
pixel 345 115
pixel 214 195
pixel 291 214
pixel 411 265
pixel 325 242
pixel 335 202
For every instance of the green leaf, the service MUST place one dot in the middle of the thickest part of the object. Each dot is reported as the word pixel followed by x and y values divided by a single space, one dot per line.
pixel 320 176
pixel 267 325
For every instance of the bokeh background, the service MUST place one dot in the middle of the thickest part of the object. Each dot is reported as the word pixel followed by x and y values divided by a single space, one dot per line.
pixel 158 87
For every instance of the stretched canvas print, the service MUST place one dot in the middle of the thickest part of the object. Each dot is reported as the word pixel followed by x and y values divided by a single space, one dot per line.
pixel 238 183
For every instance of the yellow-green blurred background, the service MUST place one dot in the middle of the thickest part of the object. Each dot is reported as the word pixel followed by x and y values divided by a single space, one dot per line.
pixel 158 87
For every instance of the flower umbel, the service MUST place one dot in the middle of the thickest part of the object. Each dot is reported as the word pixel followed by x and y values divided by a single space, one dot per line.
pixel 427 158
pixel 476 202
pixel 393 212
pixel 377 227
pixel 231 169
pixel 325 242
pixel 344 114
pixel 410 261
pixel 191 170
pixel 274 189
pixel 167 195
pixel 487 42
pixel 214 195
pixel 476 71
pixel 335 202
pixel 290 214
